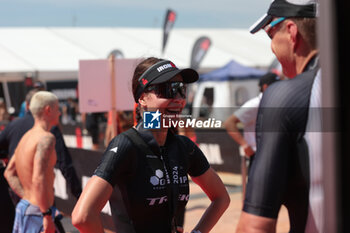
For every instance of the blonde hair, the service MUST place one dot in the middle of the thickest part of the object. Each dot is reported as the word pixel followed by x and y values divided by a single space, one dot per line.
pixel 40 100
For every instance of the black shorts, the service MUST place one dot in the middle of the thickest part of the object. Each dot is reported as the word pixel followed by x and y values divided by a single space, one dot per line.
pixel 94 133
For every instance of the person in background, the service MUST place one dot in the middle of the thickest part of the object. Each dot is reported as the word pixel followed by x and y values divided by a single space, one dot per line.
pixel 4 115
pixel 30 171
pixel 14 131
pixel 12 134
pixel 90 122
pixel 246 115
pixel 69 112
pixel 287 168
pixel 144 172
pixel 38 85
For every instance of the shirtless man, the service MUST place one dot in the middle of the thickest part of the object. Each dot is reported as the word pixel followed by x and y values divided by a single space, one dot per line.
pixel 30 171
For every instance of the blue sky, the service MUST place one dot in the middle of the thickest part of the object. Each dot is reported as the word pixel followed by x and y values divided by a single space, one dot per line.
pixel 130 13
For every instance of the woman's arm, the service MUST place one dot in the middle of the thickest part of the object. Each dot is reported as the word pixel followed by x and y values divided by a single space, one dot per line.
pixel 212 185
pixel 86 213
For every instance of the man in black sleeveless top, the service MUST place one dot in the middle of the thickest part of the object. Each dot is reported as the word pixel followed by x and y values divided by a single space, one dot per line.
pixel 288 166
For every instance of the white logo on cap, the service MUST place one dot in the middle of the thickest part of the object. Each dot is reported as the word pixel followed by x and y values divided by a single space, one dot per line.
pixel 164 67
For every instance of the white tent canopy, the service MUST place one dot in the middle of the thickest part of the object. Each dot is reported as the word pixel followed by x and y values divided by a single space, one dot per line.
pixel 54 53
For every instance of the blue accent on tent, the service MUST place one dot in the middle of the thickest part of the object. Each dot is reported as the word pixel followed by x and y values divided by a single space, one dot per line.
pixel 232 71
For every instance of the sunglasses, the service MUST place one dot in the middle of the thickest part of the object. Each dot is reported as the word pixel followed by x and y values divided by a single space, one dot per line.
pixel 168 90
pixel 272 24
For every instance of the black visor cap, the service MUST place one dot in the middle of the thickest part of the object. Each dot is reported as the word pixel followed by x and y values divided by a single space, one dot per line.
pixel 162 72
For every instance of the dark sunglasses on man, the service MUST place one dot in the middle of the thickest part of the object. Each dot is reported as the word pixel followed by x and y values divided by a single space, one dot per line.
pixel 272 24
pixel 168 90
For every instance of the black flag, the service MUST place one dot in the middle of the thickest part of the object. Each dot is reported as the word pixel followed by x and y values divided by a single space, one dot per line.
pixel 116 53
pixel 168 25
pixel 199 50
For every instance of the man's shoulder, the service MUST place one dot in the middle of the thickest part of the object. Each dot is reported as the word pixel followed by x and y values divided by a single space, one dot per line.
pixel 46 141
pixel 31 141
pixel 39 137
pixel 285 87
pixel 47 135
pixel 289 93
pixel 21 123
pixel 14 123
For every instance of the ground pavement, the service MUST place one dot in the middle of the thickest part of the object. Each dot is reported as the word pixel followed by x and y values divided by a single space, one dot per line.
pixel 228 222
pixel 198 203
